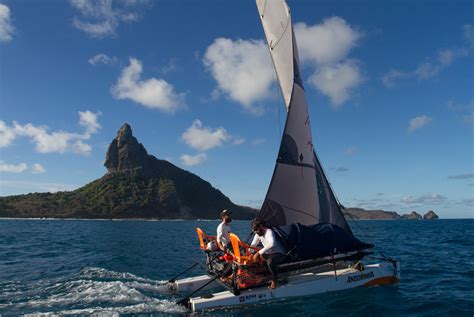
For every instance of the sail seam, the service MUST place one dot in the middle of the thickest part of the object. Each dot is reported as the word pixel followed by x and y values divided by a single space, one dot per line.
pixel 297 164
pixel 300 211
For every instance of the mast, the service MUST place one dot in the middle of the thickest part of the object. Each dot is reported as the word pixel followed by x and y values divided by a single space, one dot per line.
pixel 299 191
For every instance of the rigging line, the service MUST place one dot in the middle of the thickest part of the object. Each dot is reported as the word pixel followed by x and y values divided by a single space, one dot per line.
pixel 281 36
pixel 363 230
pixel 300 211
pixel 277 95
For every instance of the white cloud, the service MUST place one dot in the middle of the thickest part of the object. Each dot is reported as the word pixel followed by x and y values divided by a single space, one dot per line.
pixel 419 122
pixel 431 198
pixel 7 135
pixel 337 81
pixel 35 186
pixel 325 47
pixel 393 75
pixel 193 160
pixel 56 141
pixel 243 71
pixel 326 43
pixel 37 168
pixel 204 138
pixel 433 65
pixel 152 93
pixel 12 168
pixel 350 151
pixel 101 18
pixel 6 26
pixel 89 120
pixel 238 141
pixel 102 59
pixel 258 141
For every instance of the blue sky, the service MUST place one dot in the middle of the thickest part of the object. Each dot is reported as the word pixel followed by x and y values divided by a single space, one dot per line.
pixel 389 86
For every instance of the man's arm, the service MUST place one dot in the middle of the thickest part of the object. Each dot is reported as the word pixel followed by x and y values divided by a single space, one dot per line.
pixel 219 237
pixel 269 241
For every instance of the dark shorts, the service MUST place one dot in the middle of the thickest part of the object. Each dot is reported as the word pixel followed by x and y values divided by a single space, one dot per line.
pixel 272 261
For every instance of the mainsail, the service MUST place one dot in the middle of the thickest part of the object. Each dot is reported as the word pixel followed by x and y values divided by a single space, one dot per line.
pixel 299 191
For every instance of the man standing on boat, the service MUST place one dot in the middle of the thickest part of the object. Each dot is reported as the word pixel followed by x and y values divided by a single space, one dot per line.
pixel 272 252
pixel 223 230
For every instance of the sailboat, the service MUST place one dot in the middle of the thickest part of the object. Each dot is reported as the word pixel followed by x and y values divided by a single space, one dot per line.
pixel 299 194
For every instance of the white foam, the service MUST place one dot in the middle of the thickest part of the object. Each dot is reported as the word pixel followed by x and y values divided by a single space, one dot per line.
pixel 95 272
pixel 154 306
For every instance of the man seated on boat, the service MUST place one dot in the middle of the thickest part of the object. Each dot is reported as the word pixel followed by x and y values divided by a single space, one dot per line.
pixel 272 252
pixel 223 230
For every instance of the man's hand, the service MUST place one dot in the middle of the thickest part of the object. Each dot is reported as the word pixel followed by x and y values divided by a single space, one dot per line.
pixel 256 257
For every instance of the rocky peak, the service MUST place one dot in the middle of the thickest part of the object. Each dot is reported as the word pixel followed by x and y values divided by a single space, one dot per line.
pixel 125 153
pixel 430 215
pixel 125 132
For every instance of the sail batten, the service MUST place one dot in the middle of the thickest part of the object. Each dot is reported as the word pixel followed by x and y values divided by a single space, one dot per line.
pixel 299 191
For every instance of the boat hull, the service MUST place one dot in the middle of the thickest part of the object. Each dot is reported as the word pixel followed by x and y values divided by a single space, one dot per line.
pixel 303 285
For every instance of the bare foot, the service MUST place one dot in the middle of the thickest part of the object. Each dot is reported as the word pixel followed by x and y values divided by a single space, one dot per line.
pixel 272 285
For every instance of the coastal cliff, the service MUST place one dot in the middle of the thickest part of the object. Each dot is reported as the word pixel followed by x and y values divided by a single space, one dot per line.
pixel 136 185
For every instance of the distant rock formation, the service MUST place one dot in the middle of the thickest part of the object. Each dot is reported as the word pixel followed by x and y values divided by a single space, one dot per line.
pixel 412 216
pixel 126 154
pixel 359 213
pixel 137 185
pixel 430 215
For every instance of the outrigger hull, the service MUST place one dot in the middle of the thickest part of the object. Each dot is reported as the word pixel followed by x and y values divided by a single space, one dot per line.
pixel 303 285
pixel 191 284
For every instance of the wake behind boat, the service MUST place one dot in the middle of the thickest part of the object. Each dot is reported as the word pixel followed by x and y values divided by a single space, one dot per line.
pixel 322 253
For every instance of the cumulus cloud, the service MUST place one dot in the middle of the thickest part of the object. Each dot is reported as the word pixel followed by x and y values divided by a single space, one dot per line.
pixel 433 65
pixel 326 47
pixel 326 43
pixel 89 120
pixel 204 138
pixel 419 122
pixel 56 141
pixel 6 26
pixel 193 160
pixel 7 135
pixel 337 81
pixel 12 168
pixel 153 93
pixel 430 198
pixel 102 59
pixel 37 169
pixel 101 18
pixel 243 70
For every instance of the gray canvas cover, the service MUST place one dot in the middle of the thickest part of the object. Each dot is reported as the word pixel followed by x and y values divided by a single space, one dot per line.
pixel 299 192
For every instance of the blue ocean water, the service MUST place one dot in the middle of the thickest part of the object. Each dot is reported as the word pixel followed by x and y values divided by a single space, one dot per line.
pixel 104 267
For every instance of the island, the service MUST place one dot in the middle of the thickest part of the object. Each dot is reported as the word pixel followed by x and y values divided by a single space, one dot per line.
pixel 138 185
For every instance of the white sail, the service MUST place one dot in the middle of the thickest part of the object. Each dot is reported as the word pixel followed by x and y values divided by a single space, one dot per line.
pixel 299 190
